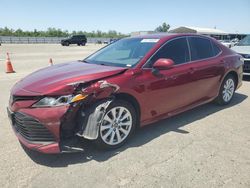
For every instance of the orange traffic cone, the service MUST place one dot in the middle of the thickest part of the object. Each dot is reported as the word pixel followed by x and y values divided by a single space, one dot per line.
pixel 50 62
pixel 9 68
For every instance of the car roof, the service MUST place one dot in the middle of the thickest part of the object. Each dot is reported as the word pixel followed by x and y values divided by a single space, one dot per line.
pixel 167 35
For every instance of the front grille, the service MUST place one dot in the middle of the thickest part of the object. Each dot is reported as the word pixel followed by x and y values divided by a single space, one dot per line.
pixel 247 56
pixel 31 129
pixel 246 67
pixel 246 62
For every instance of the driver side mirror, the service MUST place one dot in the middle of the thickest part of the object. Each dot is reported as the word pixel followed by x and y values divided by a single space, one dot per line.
pixel 163 64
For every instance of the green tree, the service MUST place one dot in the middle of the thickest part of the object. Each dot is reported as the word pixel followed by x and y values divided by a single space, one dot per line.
pixel 163 28
pixel 99 33
pixel 19 32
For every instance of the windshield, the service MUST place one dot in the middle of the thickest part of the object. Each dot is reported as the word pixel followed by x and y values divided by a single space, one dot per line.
pixel 245 41
pixel 123 53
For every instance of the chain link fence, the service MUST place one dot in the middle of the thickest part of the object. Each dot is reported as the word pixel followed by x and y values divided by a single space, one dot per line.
pixel 41 40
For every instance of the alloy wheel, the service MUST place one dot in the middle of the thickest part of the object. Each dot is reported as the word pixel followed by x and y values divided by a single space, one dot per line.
pixel 116 125
pixel 228 90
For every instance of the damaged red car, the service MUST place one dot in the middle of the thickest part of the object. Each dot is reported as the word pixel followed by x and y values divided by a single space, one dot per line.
pixel 127 84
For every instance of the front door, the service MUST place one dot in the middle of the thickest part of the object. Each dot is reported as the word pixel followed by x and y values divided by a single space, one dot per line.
pixel 168 90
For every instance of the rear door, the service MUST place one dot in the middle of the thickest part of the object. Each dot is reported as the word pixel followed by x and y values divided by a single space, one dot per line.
pixel 205 67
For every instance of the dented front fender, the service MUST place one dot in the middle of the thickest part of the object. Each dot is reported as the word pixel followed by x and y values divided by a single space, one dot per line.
pixel 101 89
pixel 88 113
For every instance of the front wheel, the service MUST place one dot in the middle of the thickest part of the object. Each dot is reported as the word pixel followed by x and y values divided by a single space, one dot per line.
pixel 117 125
pixel 226 91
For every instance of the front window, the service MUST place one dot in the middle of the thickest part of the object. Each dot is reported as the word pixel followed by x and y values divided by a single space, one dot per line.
pixel 245 41
pixel 176 50
pixel 123 53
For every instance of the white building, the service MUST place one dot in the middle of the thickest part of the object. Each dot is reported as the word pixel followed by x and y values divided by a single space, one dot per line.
pixel 216 33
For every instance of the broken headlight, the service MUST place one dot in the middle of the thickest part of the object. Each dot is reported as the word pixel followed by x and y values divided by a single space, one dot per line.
pixel 59 101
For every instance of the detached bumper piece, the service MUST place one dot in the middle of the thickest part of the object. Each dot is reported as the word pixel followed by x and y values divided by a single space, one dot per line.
pixel 31 129
pixel 71 145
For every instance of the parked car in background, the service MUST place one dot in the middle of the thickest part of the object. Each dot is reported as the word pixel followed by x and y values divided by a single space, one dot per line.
pixel 243 48
pixel 113 40
pixel 98 42
pixel 105 42
pixel 75 39
pixel 226 43
pixel 234 41
pixel 229 43
pixel 130 83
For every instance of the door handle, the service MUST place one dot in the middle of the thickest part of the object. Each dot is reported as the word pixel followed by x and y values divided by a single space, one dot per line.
pixel 170 77
pixel 173 77
pixel 192 70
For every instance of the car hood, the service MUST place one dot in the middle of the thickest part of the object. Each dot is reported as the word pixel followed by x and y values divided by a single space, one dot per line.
pixel 241 49
pixel 60 79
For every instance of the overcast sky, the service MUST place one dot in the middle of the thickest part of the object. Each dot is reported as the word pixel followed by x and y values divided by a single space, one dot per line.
pixel 125 15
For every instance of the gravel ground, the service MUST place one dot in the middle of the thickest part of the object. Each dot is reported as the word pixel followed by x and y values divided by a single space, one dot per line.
pixel 206 147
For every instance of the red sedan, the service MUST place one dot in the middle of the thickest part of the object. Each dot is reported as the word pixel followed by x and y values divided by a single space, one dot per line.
pixel 127 84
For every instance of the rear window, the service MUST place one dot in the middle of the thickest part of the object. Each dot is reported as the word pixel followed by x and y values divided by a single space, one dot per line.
pixel 216 49
pixel 201 48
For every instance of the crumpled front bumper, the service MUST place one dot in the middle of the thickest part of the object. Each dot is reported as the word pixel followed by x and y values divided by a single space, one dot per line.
pixel 38 128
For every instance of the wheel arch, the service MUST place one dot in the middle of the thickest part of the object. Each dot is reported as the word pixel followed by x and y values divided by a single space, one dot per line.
pixel 131 99
pixel 235 75
pixel 230 72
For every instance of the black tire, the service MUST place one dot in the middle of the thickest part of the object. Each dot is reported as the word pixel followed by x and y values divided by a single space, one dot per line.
pixel 100 143
pixel 66 43
pixel 83 44
pixel 221 100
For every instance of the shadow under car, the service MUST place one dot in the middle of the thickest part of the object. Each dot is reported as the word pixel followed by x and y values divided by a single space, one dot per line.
pixel 141 137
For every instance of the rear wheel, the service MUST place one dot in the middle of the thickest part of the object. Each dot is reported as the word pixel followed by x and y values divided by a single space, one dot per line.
pixel 227 90
pixel 117 126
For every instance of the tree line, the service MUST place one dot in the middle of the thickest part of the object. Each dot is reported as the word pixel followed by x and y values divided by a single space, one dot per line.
pixel 53 32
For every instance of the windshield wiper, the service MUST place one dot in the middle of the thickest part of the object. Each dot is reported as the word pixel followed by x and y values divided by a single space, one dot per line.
pixel 104 64
pixel 84 61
